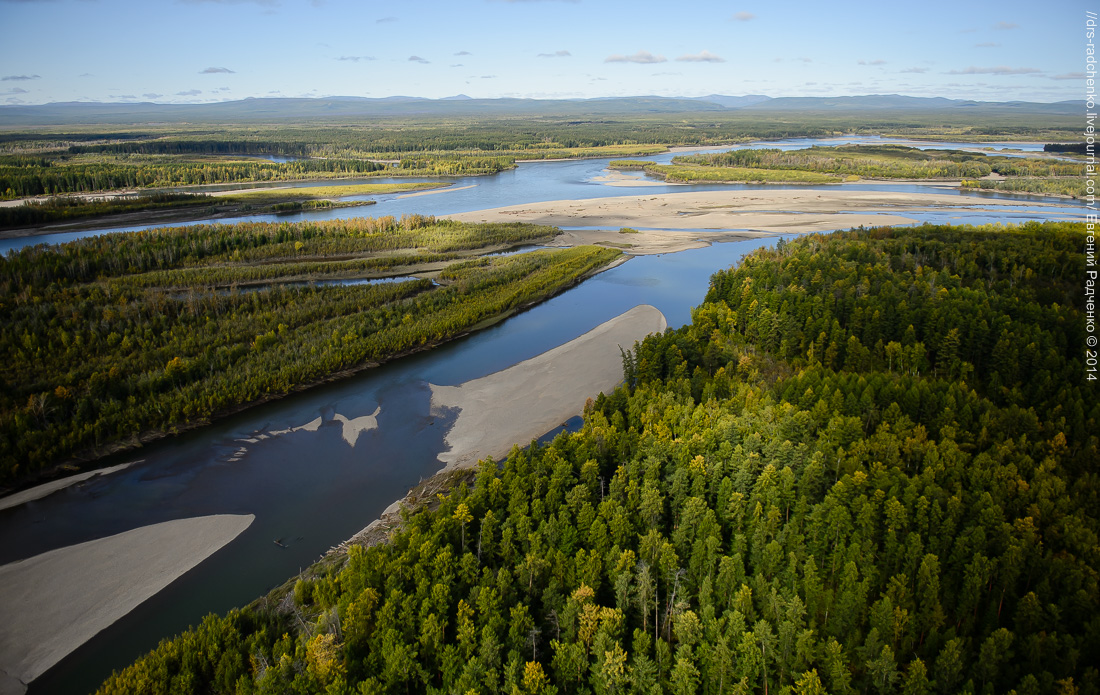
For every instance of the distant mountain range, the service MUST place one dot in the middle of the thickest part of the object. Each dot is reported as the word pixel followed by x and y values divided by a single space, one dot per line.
pixel 344 108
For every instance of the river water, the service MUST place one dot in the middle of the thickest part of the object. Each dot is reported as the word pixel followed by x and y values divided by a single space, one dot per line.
pixel 310 481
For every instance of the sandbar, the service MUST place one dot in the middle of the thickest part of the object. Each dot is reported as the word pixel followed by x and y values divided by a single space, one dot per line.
pixel 54 602
pixel 749 212
pixel 40 491
pixel 527 400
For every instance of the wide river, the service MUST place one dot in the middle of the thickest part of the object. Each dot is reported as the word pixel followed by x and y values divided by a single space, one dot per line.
pixel 314 487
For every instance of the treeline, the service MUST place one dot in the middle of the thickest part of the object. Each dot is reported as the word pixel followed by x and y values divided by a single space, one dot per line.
pixel 64 177
pixel 1073 147
pixel 866 466
pixel 885 161
pixel 115 337
pixel 1072 186
pixel 67 208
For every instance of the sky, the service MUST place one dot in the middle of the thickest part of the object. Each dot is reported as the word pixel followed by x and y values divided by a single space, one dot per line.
pixel 195 51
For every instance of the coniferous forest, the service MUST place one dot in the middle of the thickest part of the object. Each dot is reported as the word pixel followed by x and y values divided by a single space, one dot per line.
pixel 117 339
pixel 868 465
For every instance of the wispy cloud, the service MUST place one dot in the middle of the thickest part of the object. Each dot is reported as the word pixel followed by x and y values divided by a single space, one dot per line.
pixel 744 17
pixel 555 54
pixel 127 97
pixel 915 71
pixel 355 59
pixel 385 20
pixel 1069 76
pixel 643 57
pixel 1005 26
pixel 19 78
pixel 463 53
pixel 998 70
pixel 85 74
pixel 418 59
pixel 876 61
pixel 189 93
pixel 701 57
pixel 215 71
pixel 152 95
pixel 16 90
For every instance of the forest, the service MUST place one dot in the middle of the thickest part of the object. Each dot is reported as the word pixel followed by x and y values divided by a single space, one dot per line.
pixel 819 164
pixel 116 339
pixel 60 160
pixel 867 465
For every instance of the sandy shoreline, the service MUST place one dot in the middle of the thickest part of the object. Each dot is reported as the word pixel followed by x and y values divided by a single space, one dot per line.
pixel 39 491
pixel 771 210
pixel 54 602
pixel 527 400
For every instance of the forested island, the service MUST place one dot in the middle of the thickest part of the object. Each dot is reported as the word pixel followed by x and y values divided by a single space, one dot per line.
pixel 866 465
pixel 115 340
pixel 849 163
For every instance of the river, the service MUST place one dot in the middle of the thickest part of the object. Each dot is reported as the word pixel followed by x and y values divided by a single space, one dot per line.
pixel 316 484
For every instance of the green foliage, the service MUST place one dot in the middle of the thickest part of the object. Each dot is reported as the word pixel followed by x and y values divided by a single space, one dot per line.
pixel 122 336
pixel 777 501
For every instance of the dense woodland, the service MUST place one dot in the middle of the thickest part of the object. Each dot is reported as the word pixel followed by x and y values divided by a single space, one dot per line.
pixel 79 159
pixel 116 337
pixel 868 465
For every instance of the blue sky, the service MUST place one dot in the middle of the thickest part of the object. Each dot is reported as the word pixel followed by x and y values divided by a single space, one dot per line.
pixel 214 50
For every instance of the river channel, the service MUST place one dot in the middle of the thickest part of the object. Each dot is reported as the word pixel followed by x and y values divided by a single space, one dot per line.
pixel 310 479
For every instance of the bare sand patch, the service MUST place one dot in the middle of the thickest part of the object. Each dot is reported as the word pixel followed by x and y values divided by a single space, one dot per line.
pixel 618 178
pixel 54 602
pixel 40 491
pixel 435 191
pixel 527 400
pixel 758 210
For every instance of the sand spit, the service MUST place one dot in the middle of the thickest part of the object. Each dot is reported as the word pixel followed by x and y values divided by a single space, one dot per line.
pixel 758 210
pixel 54 602
pixel 523 402
pixel 39 491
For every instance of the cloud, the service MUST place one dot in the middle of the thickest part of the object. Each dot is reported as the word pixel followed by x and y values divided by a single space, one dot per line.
pixel 876 61
pixel 1069 76
pixel 1005 26
pixel 555 54
pixel 19 78
pixel 998 70
pixel 463 53
pixel 915 71
pixel 987 44
pixel 85 74
pixel 744 17
pixel 488 77
pixel 189 93
pixel 457 65
pixel 16 90
pixel 385 20
pixel 418 59
pixel 701 57
pixel 355 59
pixel 214 71
pixel 643 57
pixel 129 97
pixel 151 95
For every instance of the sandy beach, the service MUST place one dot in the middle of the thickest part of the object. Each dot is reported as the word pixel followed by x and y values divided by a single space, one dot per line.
pixel 45 489
pixel 54 602
pixel 742 212
pixel 527 400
